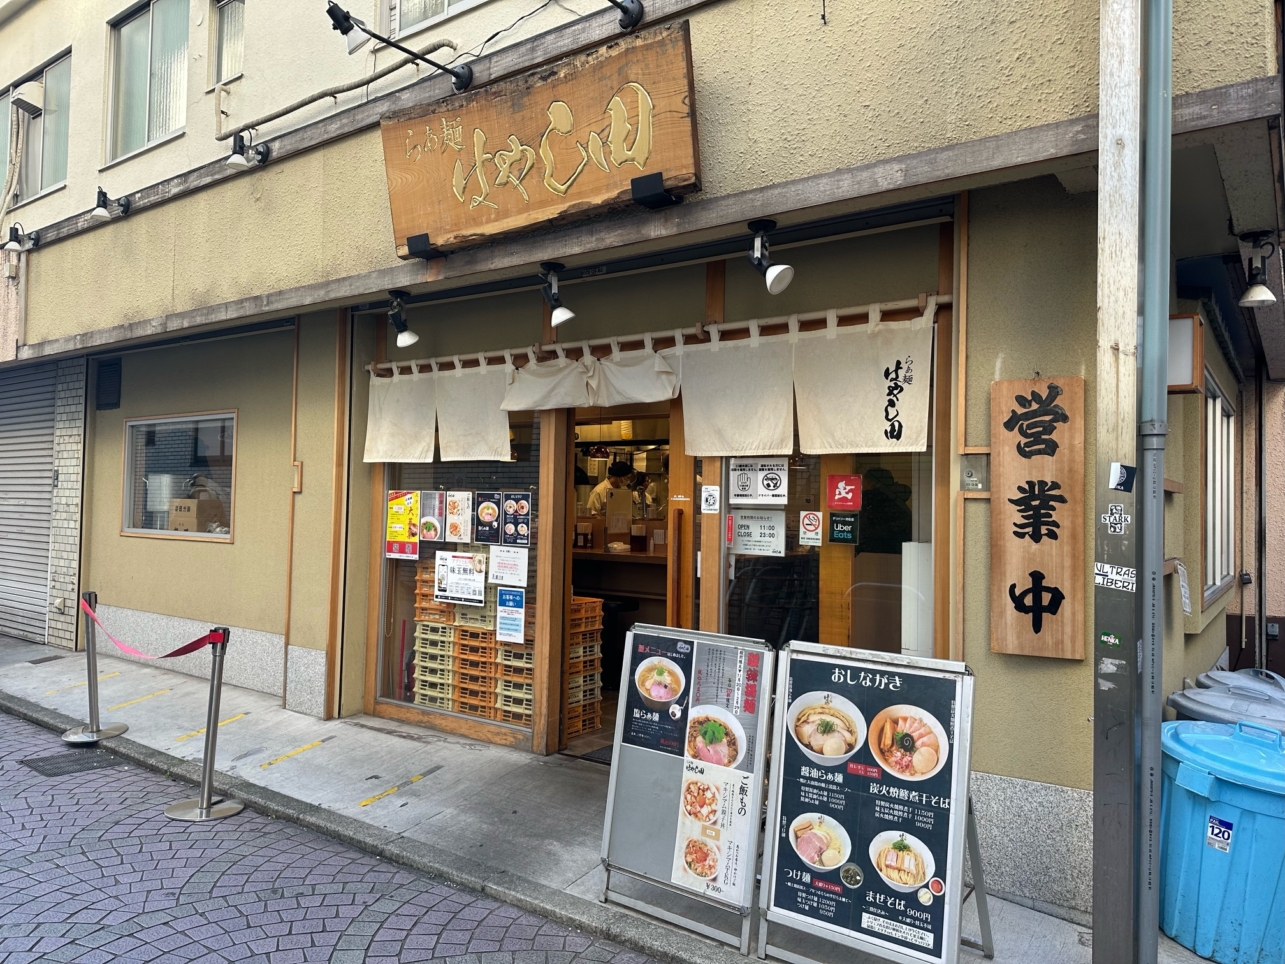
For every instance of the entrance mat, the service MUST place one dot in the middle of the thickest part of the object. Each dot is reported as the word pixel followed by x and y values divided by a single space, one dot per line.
pixel 601 755
pixel 77 761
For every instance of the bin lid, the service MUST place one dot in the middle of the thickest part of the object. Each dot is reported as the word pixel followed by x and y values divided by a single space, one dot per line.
pixel 1259 680
pixel 1230 704
pixel 1248 754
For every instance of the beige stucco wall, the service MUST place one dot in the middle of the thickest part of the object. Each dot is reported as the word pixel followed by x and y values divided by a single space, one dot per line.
pixel 1274 446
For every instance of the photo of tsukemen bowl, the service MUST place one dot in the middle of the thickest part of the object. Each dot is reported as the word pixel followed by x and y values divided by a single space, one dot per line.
pixel 908 742
pixel 903 861
pixel 819 841
pixel 827 727
pixel 715 736
pixel 659 682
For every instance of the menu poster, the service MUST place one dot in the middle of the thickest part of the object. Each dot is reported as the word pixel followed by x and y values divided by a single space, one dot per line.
pixel 867 787
pixel 461 578
pixel 656 693
pixel 401 540
pixel 510 615
pixel 432 516
pixel 459 516
pixel 517 519
pixel 486 527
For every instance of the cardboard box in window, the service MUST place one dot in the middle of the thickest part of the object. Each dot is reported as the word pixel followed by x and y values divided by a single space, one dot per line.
pixel 194 515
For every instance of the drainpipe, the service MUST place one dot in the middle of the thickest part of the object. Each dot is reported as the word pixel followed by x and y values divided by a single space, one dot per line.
pixel 1260 543
pixel 1153 427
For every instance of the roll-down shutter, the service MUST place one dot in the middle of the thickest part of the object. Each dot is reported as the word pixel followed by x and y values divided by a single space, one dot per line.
pixel 26 498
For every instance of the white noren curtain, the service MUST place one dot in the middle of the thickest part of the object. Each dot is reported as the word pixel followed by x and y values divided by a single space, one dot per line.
pixel 560 383
pixel 399 422
pixel 635 377
pixel 738 399
pixel 471 419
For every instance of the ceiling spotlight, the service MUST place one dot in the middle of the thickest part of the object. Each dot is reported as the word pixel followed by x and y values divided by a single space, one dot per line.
pixel 561 313
pixel 405 337
pixel 777 276
pixel 1258 295
pixel 357 35
pixel 244 157
pixel 19 239
pixel 102 208
pixel 631 12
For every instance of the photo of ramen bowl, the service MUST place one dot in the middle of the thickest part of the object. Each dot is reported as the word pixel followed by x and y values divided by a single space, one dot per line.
pixel 826 727
pixel 908 742
pixel 902 861
pixel 820 841
pixel 430 530
pixel 488 512
pixel 659 682
pixel 714 736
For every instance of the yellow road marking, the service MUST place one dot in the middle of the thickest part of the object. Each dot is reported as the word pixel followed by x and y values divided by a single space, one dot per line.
pixel 287 756
pixel 401 786
pixel 139 700
pixel 81 683
pixel 230 719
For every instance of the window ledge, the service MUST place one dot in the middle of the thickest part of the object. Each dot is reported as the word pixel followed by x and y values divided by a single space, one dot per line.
pixel 173 136
pixel 1213 593
pixel 223 83
pixel 42 194
pixel 175 535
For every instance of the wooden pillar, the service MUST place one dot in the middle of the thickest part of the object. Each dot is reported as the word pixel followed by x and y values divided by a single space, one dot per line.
pixel 681 569
pixel 553 576
pixel 942 446
pixel 375 563
pixel 836 567
pixel 712 531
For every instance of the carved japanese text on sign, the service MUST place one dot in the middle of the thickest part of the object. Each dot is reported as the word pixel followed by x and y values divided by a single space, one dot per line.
pixel 553 144
pixel 1037 517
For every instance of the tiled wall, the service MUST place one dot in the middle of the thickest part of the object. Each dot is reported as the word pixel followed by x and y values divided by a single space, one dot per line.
pixel 64 535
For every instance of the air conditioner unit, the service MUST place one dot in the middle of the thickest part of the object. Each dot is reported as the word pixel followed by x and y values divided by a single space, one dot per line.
pixel 30 97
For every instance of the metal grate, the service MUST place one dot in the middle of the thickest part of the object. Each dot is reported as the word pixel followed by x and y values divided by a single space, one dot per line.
pixel 77 761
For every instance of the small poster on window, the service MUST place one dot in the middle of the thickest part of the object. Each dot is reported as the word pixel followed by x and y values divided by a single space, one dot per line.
pixel 459 516
pixel 401 540
pixel 432 516
pixel 461 578
pixel 486 526
pixel 517 519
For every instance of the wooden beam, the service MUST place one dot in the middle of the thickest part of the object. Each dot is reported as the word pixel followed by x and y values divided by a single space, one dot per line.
pixel 375 559
pixel 478 730
pixel 682 524
pixel 338 528
pixel 711 550
pixel 552 580
pixel 836 565
pixel 942 432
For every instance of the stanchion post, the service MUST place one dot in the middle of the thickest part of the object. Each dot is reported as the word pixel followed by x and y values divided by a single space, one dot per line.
pixel 92 733
pixel 205 806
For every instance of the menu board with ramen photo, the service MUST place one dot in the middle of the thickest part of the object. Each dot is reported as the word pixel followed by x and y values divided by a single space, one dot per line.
pixel 517 519
pixel 869 793
pixel 486 526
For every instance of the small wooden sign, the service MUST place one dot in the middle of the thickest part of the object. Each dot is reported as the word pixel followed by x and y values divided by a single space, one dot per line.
pixel 1037 517
pixel 555 144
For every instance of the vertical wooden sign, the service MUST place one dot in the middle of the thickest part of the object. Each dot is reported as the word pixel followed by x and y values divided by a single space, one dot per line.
pixel 1037 517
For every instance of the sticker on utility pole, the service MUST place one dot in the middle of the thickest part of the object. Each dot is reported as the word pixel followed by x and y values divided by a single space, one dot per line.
pixel 1219 834
pixel 1115 520
pixel 758 481
pixel 809 528
pixel 709 500
pixel 1115 577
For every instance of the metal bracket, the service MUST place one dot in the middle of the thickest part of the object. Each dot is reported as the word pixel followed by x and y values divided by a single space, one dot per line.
pixel 418 246
pixel 649 191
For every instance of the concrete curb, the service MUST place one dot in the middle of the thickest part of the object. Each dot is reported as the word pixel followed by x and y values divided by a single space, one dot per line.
pixel 651 937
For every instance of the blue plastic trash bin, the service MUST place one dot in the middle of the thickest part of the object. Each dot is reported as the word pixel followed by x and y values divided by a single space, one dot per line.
pixel 1222 843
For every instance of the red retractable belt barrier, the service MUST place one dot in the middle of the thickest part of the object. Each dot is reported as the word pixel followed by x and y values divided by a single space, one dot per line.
pixel 192 647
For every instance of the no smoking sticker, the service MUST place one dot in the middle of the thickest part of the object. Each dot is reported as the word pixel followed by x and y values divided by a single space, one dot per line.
pixel 809 528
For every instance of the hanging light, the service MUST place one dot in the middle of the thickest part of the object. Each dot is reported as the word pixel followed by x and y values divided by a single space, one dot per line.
pixel 561 313
pixel 776 276
pixel 1258 295
pixel 102 208
pixel 405 337
pixel 244 157
pixel 357 35
pixel 19 239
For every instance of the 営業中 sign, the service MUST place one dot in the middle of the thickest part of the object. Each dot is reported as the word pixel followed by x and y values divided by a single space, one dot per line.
pixel 758 482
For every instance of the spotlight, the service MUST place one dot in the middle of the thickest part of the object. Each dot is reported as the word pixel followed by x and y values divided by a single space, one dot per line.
pixel 102 212
pixel 631 12
pixel 243 156
pixel 20 239
pixel 405 337
pixel 1258 295
pixel 357 35
pixel 561 313
pixel 777 276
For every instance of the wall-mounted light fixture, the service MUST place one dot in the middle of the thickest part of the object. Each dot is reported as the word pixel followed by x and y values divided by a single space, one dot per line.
pixel 102 208
pixel 244 156
pixel 631 12
pixel 561 313
pixel 20 239
pixel 405 337
pixel 777 276
pixel 1258 295
pixel 357 35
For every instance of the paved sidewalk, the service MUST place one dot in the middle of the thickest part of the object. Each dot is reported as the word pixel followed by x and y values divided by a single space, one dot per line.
pixel 92 871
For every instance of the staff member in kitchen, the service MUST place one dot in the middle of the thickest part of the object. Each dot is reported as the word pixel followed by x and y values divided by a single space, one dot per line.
pixel 619 475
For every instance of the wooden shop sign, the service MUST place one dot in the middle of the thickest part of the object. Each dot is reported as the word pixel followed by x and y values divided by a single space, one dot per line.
pixel 1037 517
pixel 555 144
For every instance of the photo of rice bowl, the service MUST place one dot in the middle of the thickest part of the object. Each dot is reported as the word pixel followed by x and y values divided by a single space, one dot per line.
pixel 700 858
pixel 820 841
pixel 903 861
pixel 826 727
pixel 909 742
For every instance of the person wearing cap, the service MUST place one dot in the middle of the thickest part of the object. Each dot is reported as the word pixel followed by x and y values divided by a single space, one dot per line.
pixel 619 475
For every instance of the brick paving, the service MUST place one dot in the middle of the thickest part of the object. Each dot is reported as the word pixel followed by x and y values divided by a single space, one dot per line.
pixel 91 871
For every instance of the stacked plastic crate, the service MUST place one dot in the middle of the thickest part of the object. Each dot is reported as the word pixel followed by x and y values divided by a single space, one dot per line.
pixel 460 667
pixel 584 666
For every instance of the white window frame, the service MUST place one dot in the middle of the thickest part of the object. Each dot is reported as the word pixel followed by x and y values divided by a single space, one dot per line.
pixel 115 26
pixel 1218 538
pixel 390 16
pixel 33 147
pixel 216 46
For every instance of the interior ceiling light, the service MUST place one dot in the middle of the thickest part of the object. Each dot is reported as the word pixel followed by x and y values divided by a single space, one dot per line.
pixel 102 208
pixel 777 276
pixel 243 156
pixel 405 337
pixel 19 239
pixel 561 313
pixel 357 35
pixel 1258 295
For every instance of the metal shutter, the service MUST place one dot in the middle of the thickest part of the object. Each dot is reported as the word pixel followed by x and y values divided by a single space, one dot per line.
pixel 26 499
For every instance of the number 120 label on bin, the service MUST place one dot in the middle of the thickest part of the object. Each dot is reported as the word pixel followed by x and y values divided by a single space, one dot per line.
pixel 1219 835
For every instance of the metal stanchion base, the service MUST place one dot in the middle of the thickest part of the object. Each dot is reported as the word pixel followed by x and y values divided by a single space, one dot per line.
pixel 83 735
pixel 190 810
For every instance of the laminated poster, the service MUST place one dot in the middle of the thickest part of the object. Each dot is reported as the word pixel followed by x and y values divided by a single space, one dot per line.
pixel 461 578
pixel 758 482
pixel 867 789
pixel 486 526
pixel 509 566
pixel 758 533
pixel 510 615
pixel 432 516
pixel 459 516
pixel 517 519
pixel 401 540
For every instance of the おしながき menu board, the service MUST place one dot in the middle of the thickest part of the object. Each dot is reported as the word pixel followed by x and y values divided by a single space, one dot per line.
pixel 868 799
pixel 687 770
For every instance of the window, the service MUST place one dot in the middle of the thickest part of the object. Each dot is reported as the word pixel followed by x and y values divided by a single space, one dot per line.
pixel 405 15
pixel 230 44
pixel 43 162
pixel 5 121
pixel 179 475
pixel 1220 490
pixel 149 88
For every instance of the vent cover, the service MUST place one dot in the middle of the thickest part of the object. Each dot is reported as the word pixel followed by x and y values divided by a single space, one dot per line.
pixel 107 392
